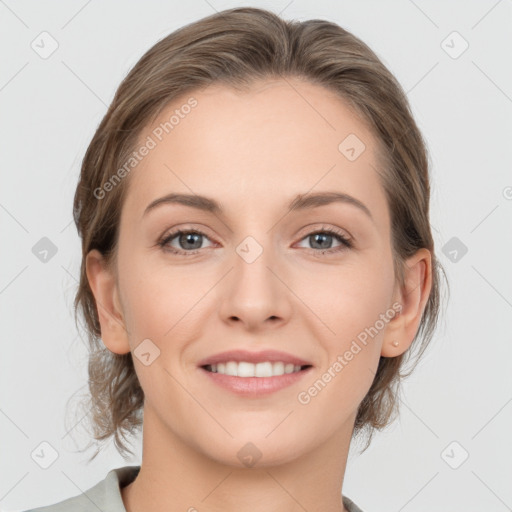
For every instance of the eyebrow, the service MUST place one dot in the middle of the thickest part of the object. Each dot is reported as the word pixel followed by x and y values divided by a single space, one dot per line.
pixel 300 202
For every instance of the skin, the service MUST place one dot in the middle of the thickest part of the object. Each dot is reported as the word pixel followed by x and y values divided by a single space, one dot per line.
pixel 253 152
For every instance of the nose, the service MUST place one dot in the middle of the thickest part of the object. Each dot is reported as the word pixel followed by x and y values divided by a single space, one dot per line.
pixel 254 293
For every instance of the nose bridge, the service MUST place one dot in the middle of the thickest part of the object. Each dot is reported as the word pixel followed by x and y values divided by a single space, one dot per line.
pixel 254 292
pixel 254 259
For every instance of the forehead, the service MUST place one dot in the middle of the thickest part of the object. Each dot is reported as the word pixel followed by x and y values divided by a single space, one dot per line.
pixel 279 139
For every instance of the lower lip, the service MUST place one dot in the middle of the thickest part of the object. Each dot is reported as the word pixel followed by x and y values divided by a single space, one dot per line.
pixel 255 386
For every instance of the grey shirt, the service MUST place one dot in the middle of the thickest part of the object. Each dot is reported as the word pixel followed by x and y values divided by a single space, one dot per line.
pixel 106 495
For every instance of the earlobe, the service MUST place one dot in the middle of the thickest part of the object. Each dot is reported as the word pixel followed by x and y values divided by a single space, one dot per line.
pixel 412 296
pixel 103 285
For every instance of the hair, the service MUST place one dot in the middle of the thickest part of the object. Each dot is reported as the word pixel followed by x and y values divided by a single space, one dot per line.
pixel 237 48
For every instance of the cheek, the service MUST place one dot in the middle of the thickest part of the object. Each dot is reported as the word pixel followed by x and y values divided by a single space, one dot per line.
pixel 160 300
pixel 357 309
pixel 352 309
pixel 362 302
pixel 356 293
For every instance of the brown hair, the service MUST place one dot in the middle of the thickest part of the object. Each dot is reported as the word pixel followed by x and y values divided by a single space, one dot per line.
pixel 236 47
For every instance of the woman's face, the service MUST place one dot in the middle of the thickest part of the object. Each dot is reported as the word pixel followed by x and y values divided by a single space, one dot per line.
pixel 258 276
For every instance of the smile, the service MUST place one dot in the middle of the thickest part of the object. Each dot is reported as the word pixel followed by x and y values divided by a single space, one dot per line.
pixel 246 369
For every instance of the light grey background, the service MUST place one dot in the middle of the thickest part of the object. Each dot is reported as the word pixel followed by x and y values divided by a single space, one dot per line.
pixel 462 391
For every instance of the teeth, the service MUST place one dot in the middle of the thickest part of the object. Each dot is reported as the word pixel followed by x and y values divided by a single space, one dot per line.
pixel 244 369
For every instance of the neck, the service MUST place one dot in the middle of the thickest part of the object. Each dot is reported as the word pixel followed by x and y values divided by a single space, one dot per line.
pixel 176 477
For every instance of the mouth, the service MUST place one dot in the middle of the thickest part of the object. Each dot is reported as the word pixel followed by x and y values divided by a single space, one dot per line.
pixel 246 369
pixel 254 380
pixel 254 374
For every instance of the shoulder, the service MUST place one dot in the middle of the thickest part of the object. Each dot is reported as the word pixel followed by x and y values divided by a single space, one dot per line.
pixel 105 495
pixel 350 505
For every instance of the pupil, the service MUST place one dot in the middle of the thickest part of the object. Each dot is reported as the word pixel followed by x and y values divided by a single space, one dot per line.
pixel 185 239
pixel 324 237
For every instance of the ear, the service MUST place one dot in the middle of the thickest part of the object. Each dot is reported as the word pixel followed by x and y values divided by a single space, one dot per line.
pixel 412 297
pixel 104 288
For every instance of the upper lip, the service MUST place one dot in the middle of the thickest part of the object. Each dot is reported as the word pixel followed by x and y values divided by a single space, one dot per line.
pixel 253 357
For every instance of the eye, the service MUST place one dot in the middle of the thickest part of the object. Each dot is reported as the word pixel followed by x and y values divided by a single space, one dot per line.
pixel 322 240
pixel 187 239
pixel 190 241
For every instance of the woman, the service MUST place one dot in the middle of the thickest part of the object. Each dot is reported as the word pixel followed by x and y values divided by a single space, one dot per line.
pixel 257 262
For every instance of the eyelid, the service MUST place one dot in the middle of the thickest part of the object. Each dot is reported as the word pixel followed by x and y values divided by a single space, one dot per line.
pixel 316 227
pixel 199 228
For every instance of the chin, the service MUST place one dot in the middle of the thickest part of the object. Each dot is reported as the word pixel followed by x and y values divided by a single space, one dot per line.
pixel 255 450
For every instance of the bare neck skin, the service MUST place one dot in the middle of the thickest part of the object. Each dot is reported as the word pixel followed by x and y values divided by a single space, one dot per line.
pixel 175 477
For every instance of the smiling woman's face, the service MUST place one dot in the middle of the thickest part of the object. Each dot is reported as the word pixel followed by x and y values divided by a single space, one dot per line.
pixel 259 276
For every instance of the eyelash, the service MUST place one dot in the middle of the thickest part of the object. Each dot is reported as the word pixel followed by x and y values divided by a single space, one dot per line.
pixel 345 242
